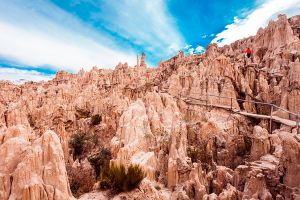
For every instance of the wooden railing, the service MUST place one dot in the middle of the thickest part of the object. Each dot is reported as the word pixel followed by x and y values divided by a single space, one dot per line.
pixel 272 106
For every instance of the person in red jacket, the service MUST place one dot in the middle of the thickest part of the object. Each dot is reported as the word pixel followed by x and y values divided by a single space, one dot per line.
pixel 248 53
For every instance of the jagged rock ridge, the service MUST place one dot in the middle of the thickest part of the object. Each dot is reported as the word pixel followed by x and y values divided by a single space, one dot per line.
pixel 147 120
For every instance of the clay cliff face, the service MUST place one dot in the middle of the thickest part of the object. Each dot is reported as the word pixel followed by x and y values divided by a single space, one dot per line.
pixel 159 118
pixel 32 168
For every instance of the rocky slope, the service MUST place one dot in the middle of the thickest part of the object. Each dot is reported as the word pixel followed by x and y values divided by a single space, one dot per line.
pixel 152 117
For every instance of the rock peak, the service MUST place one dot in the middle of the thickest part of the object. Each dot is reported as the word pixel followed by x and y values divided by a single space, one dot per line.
pixel 143 61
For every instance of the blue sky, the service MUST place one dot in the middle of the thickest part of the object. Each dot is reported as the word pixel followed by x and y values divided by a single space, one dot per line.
pixel 39 37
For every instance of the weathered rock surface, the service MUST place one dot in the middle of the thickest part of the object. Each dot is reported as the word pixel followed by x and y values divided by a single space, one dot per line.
pixel 32 170
pixel 172 120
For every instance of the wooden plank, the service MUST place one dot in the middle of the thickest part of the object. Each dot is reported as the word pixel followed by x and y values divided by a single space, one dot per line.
pixel 253 115
pixel 284 121
pixel 257 116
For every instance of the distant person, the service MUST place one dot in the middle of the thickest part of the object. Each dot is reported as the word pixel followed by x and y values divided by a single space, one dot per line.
pixel 248 53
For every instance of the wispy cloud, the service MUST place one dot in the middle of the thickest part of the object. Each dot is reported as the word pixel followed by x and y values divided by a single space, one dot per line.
pixel 248 26
pixel 39 33
pixel 143 22
pixel 20 76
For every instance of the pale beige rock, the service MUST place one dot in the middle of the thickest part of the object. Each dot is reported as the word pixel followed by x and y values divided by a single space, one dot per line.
pixel 133 139
pixel 223 176
pixel 16 116
pixel 198 181
pixel 230 193
pixel 260 143
pixel 33 171
pixel 146 191
pixel 290 148
pixel 256 187
pixel 293 102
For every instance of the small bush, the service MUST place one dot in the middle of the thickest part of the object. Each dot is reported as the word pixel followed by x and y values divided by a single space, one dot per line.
pixel 200 154
pixel 193 154
pixel 205 157
pixel 77 143
pixel 204 119
pixel 134 176
pixel 157 187
pixel 96 119
pixel 117 178
pixel 248 144
pixel 99 159
pixel 157 174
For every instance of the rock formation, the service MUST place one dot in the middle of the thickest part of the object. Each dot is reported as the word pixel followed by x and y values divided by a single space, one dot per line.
pixel 143 61
pixel 190 123
pixel 32 168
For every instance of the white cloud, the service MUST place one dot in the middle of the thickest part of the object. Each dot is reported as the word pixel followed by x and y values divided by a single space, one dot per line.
pixel 187 46
pixel 199 49
pixel 20 76
pixel 143 22
pixel 241 28
pixel 41 34
pixel 192 51
pixel 35 48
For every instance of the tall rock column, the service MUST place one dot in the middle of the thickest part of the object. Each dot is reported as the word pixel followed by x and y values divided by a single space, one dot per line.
pixel 133 139
pixel 260 143
pixel 143 61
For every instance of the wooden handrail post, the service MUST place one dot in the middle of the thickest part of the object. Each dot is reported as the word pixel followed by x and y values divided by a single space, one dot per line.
pixel 298 132
pixel 271 119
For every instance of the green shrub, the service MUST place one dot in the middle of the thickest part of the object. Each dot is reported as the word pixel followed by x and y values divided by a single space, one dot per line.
pixel 99 159
pixel 134 176
pixel 248 144
pixel 96 119
pixel 157 187
pixel 104 179
pixel 117 178
pixel 204 119
pixel 157 174
pixel 200 154
pixel 193 154
pixel 77 143
pixel 205 157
